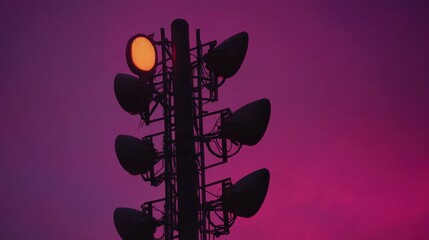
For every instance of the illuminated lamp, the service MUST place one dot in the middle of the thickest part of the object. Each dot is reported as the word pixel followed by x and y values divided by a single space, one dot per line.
pixel 134 225
pixel 135 155
pixel 141 55
pixel 226 59
pixel 133 94
pixel 245 197
pixel 248 124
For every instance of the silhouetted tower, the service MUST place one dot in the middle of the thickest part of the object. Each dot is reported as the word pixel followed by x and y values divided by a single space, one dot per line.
pixel 190 209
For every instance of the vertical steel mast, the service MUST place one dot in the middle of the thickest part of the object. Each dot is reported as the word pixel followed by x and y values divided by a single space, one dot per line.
pixel 187 170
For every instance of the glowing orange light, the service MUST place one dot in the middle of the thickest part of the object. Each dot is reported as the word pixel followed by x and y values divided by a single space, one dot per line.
pixel 143 53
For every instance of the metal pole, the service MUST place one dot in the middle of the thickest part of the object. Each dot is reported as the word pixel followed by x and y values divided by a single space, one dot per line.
pixel 203 233
pixel 187 171
pixel 169 187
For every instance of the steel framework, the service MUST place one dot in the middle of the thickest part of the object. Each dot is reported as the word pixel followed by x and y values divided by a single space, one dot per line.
pixel 203 217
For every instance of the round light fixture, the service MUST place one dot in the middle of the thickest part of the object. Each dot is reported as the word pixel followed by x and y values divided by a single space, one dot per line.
pixel 245 197
pixel 134 225
pixel 226 59
pixel 133 94
pixel 135 155
pixel 248 124
pixel 141 55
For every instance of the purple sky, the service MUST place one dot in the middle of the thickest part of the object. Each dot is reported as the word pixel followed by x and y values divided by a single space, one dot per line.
pixel 347 145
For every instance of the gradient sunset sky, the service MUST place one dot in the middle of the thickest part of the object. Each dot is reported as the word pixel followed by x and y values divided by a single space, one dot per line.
pixel 347 145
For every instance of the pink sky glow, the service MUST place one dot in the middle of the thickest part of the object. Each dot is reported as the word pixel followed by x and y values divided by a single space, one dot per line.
pixel 347 143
